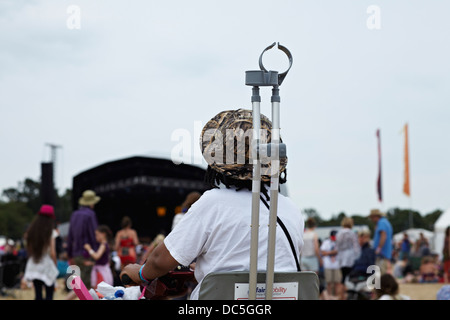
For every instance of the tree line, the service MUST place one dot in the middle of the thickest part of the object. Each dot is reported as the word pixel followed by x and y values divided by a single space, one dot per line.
pixel 19 205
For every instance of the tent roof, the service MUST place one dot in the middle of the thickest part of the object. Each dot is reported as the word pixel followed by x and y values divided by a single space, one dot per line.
pixel 414 234
pixel 443 221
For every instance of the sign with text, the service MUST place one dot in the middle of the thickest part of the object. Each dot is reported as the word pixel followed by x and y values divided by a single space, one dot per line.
pixel 281 291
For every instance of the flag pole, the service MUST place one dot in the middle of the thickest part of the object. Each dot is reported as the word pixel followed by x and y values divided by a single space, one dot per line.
pixel 411 223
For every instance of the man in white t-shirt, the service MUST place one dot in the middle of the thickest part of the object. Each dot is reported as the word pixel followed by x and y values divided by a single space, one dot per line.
pixel 331 266
pixel 216 229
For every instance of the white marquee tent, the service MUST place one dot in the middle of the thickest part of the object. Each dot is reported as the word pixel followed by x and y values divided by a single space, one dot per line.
pixel 439 231
pixel 414 235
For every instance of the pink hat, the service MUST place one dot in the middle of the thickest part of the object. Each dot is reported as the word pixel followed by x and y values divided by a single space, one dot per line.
pixel 47 210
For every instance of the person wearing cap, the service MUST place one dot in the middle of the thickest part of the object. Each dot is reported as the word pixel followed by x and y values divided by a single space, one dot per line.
pixel 382 241
pixel 83 223
pixel 40 243
pixel 216 229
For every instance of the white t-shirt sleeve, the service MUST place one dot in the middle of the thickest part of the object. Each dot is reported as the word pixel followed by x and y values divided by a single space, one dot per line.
pixel 186 241
pixel 176 219
pixel 325 246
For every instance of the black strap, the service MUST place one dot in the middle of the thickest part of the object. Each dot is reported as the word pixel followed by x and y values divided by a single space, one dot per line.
pixel 288 236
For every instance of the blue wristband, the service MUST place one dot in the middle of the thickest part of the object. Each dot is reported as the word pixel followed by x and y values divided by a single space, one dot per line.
pixel 141 276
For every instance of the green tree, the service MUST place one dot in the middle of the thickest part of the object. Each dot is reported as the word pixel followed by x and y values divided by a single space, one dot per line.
pixel 334 220
pixel 400 219
pixel 14 219
pixel 63 206
pixel 312 213
pixel 430 219
pixel 23 202
pixel 27 192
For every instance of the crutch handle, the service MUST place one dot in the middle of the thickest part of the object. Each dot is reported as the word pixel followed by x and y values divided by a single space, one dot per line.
pixel 282 75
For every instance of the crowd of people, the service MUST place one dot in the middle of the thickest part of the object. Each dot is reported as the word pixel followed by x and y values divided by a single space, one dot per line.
pixel 212 234
pixel 93 248
pixel 339 259
pixel 346 257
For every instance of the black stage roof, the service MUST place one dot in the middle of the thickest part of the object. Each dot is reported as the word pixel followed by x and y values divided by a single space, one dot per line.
pixel 148 190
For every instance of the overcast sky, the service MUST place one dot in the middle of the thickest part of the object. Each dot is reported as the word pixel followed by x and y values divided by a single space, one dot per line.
pixel 136 71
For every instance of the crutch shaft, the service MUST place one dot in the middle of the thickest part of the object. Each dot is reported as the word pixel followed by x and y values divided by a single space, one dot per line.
pixel 274 183
pixel 256 189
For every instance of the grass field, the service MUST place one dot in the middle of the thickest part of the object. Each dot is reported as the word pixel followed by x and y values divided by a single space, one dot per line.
pixel 420 291
pixel 417 291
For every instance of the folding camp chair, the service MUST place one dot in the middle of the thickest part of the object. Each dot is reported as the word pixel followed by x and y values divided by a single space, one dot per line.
pixel 302 285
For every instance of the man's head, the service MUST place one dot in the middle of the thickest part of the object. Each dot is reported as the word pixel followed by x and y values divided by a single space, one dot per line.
pixel 89 199
pixel 375 215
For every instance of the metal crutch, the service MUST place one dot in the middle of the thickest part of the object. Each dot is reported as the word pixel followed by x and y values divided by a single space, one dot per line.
pixel 274 151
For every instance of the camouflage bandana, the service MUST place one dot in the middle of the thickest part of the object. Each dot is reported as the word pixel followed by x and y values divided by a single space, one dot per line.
pixel 226 141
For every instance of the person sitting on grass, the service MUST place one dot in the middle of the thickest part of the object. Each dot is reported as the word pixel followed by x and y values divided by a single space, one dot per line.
pixel 429 271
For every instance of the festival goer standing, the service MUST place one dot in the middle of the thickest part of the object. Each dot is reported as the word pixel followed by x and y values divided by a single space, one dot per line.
pixel 331 267
pixel 405 247
pixel 382 241
pixel 422 246
pixel 446 255
pixel 101 271
pixel 348 250
pixel 216 230
pixel 188 202
pixel 83 224
pixel 126 241
pixel 41 266
pixel 310 256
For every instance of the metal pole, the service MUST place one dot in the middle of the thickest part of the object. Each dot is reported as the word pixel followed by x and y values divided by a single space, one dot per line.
pixel 256 188
pixel 274 183
pixel 256 78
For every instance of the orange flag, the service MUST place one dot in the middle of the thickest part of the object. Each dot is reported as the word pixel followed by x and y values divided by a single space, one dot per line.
pixel 406 187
